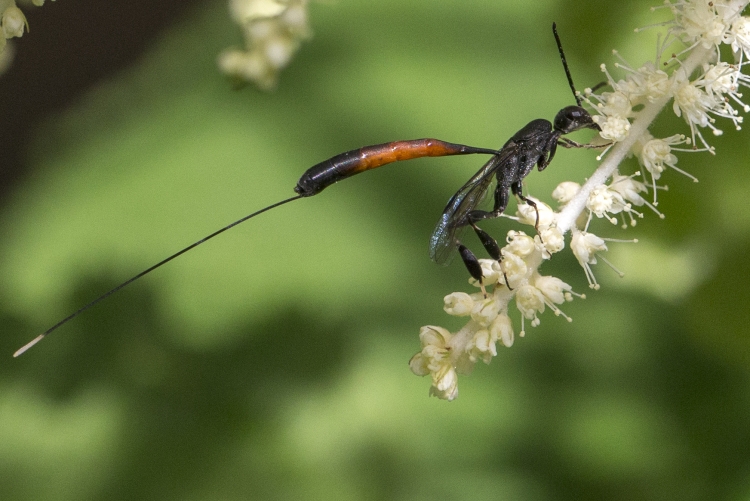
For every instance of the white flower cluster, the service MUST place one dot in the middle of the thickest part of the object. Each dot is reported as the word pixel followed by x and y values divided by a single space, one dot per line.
pixel 13 23
pixel 515 277
pixel 701 87
pixel 273 31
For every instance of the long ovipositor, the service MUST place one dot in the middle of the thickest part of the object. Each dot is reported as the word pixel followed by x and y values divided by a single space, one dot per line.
pixel 322 175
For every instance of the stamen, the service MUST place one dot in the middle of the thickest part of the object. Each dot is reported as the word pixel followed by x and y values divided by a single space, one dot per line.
pixel 590 277
pixel 695 179
pixel 606 261
pixel 620 241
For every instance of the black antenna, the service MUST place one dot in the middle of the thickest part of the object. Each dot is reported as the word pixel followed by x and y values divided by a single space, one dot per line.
pixel 565 64
pixel 146 272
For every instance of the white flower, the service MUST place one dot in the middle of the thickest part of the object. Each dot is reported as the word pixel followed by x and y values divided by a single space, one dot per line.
pixel 273 30
pixel 485 311
pixel 491 273
pixel 514 267
pixel 614 128
pixel 435 360
pixel 244 11
pixel 295 17
pixel 502 329
pixel 712 93
pixel 652 84
pixel 14 22
pixel 692 102
pixel 434 350
pixel 527 214
pixel 520 244
pixel 654 154
pixel 250 66
pixel 554 289
pixel 483 346
pixel 739 36
pixel 604 201
pixel 721 82
pixel 445 383
pixel 585 246
pixel 644 85
pixel 718 79
pixel 553 239
pixel 565 191
pixel 530 301
pixel 616 104
pixel 630 190
pixel 458 304
pixel 698 21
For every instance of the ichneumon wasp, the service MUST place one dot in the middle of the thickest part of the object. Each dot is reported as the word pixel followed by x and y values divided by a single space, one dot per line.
pixel 535 144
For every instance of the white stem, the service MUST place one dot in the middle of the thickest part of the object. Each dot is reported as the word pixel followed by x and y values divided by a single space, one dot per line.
pixel 568 216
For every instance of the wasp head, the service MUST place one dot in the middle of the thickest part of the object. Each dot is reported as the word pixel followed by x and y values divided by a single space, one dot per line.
pixel 573 118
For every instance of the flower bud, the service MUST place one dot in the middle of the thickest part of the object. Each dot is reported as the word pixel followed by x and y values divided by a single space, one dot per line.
pixel 502 329
pixel 458 304
pixel 14 22
pixel 565 191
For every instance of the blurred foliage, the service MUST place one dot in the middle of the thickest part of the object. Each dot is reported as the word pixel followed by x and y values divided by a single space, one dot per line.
pixel 271 363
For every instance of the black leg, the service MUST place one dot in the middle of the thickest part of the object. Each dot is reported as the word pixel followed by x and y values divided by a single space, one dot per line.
pixel 517 189
pixel 470 261
pixel 501 202
pixel 551 147
pixel 569 143
pixel 472 264
pixel 489 243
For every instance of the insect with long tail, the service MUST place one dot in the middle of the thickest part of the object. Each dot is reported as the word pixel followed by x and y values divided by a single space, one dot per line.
pixel 534 144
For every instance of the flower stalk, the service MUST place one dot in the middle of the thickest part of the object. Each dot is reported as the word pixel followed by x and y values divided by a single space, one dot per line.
pixel 701 87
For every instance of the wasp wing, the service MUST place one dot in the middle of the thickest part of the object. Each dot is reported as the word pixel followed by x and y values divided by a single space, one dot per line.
pixel 455 215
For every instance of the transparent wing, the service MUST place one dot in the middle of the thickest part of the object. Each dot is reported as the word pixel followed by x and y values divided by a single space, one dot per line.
pixel 454 218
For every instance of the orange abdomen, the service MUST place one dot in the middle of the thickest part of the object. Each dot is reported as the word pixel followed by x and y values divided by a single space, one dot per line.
pixel 320 176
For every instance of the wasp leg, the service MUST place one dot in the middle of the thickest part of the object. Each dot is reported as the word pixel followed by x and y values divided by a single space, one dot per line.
pixel 493 249
pixel 501 202
pixel 472 264
pixel 569 143
pixel 489 243
pixel 517 189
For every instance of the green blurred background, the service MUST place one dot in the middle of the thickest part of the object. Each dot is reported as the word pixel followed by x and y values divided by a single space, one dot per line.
pixel 271 363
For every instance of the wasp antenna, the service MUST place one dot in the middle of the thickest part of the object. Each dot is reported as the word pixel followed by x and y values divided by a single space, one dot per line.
pixel 565 64
pixel 65 320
